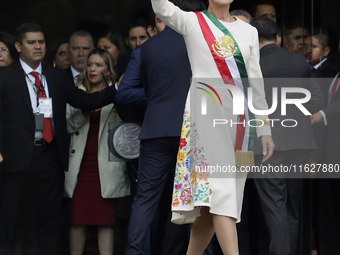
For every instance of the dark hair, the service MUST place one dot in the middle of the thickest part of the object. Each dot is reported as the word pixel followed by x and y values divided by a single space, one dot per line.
pixel 140 22
pixel 82 33
pixel 53 49
pixel 327 38
pixel 292 25
pixel 8 40
pixel 189 5
pixel 322 35
pixel 150 21
pixel 253 8
pixel 266 28
pixel 115 38
pixel 24 28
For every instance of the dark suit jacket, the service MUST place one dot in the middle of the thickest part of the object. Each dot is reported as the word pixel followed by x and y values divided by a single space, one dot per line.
pixel 332 140
pixel 276 63
pixel 165 76
pixel 325 70
pixel 130 97
pixel 17 120
pixel 324 76
pixel 130 90
pixel 69 73
pixel 122 62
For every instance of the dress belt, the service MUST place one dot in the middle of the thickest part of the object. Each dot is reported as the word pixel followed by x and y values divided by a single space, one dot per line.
pixel 39 142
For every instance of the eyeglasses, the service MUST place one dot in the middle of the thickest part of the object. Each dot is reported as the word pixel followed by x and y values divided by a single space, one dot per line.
pixel 4 49
pixel 269 15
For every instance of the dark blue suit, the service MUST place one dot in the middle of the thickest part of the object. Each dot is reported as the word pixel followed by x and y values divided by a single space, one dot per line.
pixel 130 94
pixel 130 90
pixel 165 75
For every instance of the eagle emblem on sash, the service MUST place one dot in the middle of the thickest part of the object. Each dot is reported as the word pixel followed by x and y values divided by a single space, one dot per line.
pixel 224 47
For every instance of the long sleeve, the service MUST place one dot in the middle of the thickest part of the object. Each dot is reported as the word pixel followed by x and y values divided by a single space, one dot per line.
pixel 317 100
pixel 256 83
pixel 74 119
pixel 80 99
pixel 173 16
pixel 332 111
pixel 130 90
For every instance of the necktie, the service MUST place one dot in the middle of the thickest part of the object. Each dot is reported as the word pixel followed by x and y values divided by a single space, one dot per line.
pixel 48 128
pixel 75 78
pixel 334 89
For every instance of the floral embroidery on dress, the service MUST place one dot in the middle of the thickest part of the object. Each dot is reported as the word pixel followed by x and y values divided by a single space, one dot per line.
pixel 191 184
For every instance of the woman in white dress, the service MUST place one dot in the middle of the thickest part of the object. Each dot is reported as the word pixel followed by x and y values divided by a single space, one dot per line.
pixel 223 53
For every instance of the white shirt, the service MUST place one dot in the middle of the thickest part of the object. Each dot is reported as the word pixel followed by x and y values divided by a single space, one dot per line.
pixel 75 74
pixel 319 64
pixel 30 81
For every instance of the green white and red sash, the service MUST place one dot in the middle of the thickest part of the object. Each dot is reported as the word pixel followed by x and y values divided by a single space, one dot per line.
pixel 233 72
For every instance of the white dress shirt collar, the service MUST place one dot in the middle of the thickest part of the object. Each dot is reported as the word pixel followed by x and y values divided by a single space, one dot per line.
pixel 75 73
pixel 27 69
pixel 320 63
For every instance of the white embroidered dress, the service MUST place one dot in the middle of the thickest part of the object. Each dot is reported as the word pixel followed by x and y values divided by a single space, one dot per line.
pixel 201 144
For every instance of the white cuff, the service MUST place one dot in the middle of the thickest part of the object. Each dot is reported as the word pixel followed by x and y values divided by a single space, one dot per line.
pixel 324 119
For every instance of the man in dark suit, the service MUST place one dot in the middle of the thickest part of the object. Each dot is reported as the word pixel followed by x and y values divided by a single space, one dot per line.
pixel 327 190
pixel 165 75
pixel 323 47
pixel 79 45
pixel 132 109
pixel 34 143
pixel 281 197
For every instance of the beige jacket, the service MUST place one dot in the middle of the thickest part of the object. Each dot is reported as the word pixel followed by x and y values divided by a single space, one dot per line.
pixel 114 180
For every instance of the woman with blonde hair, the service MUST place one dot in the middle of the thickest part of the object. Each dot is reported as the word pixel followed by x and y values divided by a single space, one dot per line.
pixel 93 181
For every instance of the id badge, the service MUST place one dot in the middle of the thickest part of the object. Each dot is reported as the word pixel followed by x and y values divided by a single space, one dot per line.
pixel 45 107
pixel 39 121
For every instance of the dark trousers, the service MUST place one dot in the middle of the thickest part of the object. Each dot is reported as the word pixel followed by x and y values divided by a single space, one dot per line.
pixel 157 163
pixel 33 198
pixel 326 215
pixel 253 238
pixel 281 202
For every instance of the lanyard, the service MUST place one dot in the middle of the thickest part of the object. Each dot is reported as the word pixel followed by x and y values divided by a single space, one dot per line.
pixel 36 87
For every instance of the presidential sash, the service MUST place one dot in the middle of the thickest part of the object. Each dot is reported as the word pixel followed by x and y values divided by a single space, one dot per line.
pixel 230 63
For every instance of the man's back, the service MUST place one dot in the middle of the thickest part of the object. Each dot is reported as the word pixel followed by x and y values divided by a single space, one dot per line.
pixel 277 62
pixel 165 75
pixel 281 68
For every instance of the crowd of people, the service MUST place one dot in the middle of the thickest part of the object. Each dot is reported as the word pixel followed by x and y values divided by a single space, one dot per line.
pixel 60 105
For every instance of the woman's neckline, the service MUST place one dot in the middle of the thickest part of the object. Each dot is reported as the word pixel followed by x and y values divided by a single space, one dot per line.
pixel 231 22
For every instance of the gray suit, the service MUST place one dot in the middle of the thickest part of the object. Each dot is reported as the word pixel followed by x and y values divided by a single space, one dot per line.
pixel 326 192
pixel 281 197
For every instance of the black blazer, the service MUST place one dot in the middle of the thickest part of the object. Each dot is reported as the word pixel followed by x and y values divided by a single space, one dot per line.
pixel 325 70
pixel 165 75
pixel 123 62
pixel 275 63
pixel 332 140
pixel 69 74
pixel 324 76
pixel 17 120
